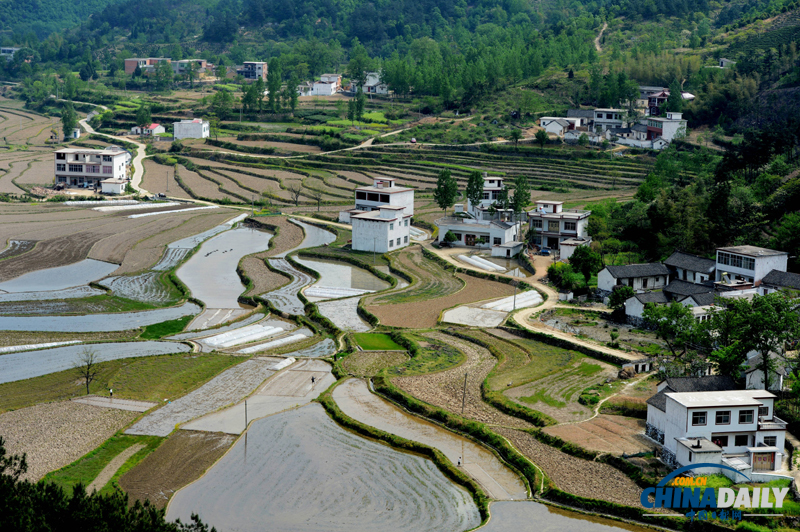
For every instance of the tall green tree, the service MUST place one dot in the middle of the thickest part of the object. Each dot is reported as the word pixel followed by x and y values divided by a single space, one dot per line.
pixel 674 323
pixel 69 120
pixel 446 192
pixel 674 103
pixel 164 75
pixel 221 104
pixel 294 81
pixel 474 192
pixel 274 81
pixel 361 102
pixel 522 195
pixel 143 116
pixel 542 138
pixel 258 89
pixel 587 261
pixel 359 64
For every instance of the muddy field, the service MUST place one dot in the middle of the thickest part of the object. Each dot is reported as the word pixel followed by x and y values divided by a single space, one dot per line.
pixel 371 363
pixel 180 460
pixel 285 298
pixel 298 471
pixel 445 388
pixel 607 434
pixel 56 434
pixel 344 314
pixel 144 287
pixel 158 178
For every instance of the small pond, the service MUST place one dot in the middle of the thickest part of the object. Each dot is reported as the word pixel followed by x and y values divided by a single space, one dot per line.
pixel 77 274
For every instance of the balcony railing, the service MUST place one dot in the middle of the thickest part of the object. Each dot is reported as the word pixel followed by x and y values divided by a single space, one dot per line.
pixel 775 423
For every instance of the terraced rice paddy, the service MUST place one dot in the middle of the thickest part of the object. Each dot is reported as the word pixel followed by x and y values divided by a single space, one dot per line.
pixel 145 287
pixel 325 348
pixel 67 293
pixel 344 314
pixel 285 298
pixel 497 480
pixel 290 388
pixel 342 275
pixel 299 462
pixel 28 364
pixel 314 237
pixel 519 516
pixel 231 386
pixel 77 274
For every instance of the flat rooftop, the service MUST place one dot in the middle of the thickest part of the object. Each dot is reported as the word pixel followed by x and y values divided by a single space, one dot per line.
pixel 723 398
pixel 114 150
pixel 384 190
pixel 752 251
pixel 700 445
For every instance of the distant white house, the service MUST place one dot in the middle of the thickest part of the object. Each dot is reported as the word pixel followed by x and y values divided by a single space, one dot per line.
pixel 382 230
pixel 85 167
pixel 191 129
pixel 383 191
pixel 478 233
pixel 551 224
pixel 608 118
pixel 691 268
pixel 749 263
pixel 640 277
pixel 336 79
pixel 558 126
pixel 736 428
pixel 574 135
pixel 374 85
pixel 8 52
pixel 323 88
pixel 113 186
pixel 779 280
pixel 148 131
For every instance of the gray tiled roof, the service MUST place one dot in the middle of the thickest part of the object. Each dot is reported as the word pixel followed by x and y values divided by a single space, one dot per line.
pixel 704 299
pixel 637 270
pixel 652 297
pixel 782 279
pixel 639 127
pixel 580 113
pixel 683 288
pixel 708 383
pixel 690 262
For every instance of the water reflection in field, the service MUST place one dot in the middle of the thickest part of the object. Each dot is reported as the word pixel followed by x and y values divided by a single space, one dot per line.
pixel 342 275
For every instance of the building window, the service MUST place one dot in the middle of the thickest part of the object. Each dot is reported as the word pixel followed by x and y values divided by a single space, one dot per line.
pixel 107 169
pixel 570 226
pixel 644 282
pixel 391 242
pixel 61 156
pixel 698 418
pixel 61 167
pixel 76 168
pixel 745 417
pixel 405 240
pixel 106 158
pixel 458 236
pixel 770 441
pixel 552 226
pixel 384 198
pixel 536 223
pixel 690 456
pixel 391 227
pixel 486 195
pixel 398 241
pixel 721 441
pixel 723 417
pixel 361 195
pixel 405 223
pixel 763 411
pixel 496 241
pixel 741 440
pixel 371 196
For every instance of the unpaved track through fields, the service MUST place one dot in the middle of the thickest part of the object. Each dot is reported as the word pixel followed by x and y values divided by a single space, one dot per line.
pixel 445 388
pixel 108 471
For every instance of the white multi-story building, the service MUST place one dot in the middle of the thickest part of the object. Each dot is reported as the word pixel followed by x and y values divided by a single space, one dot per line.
pixel 84 167
pixel 737 428
pixel 608 119
pixel 383 191
pixel 191 129
pixel 749 264
pixel 551 224
pixel 323 88
pixel 382 230
pixel 253 70
pixel 8 52
pixel 336 79
pixel 666 128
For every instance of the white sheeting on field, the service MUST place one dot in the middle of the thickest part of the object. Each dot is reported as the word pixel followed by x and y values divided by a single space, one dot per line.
pixel 473 262
pixel 524 300
pixel 170 212
pixel 487 264
pixel 333 292
pixel 30 347
pixel 244 335
pixel 275 343
pixel 114 208
pixel 107 202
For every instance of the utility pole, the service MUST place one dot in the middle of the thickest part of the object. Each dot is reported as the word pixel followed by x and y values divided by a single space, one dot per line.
pixel 515 283
pixel 245 414
pixel 463 404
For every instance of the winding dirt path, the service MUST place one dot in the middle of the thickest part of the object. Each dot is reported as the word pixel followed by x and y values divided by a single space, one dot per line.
pixel 600 36
pixel 112 467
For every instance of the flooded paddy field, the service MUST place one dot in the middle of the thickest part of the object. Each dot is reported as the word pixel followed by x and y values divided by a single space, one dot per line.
pixel 508 516
pixel 229 387
pixel 289 388
pixel 497 480
pixel 315 236
pixel 295 336
pixel 211 272
pixel 27 364
pixel 121 321
pixel 145 287
pixel 67 293
pixel 59 278
pixel 16 247
pixel 300 472
pixel 342 275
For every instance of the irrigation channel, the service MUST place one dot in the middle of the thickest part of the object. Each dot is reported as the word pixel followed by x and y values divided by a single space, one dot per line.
pixel 298 471
pixel 28 364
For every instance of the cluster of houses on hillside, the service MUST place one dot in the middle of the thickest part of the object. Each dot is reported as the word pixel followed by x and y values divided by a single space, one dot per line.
pixel 184 129
pixel 249 70
pixel 330 84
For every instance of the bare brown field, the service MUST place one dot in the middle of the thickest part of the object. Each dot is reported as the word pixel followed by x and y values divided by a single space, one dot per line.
pixel 371 363
pixel 289 235
pixel 6 180
pixel 286 146
pixel 40 173
pixel 445 388
pixel 574 475
pixel 201 187
pixel 56 434
pixel 180 460
pixel 605 433
pixel 357 176
pixel 50 253
pixel 114 248
pixel 156 177
pixel 425 314
pixel 149 251
pixel 260 184
pixel 230 185
pixel 264 279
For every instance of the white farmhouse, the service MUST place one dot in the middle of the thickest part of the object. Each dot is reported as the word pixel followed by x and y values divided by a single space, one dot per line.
pixel 749 263
pixel 640 277
pixel 383 191
pixel 323 88
pixel 374 84
pixel 555 125
pixel 737 428
pixel 479 233
pixel 551 224
pixel 148 131
pixel 191 129
pixel 667 128
pixel 382 230
pixel 608 119
pixel 84 167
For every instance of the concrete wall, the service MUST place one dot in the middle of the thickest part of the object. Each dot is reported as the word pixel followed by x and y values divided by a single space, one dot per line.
pixel 403 199
pixel 763 265
pixel 372 234
pixel 605 281
pixel 191 130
